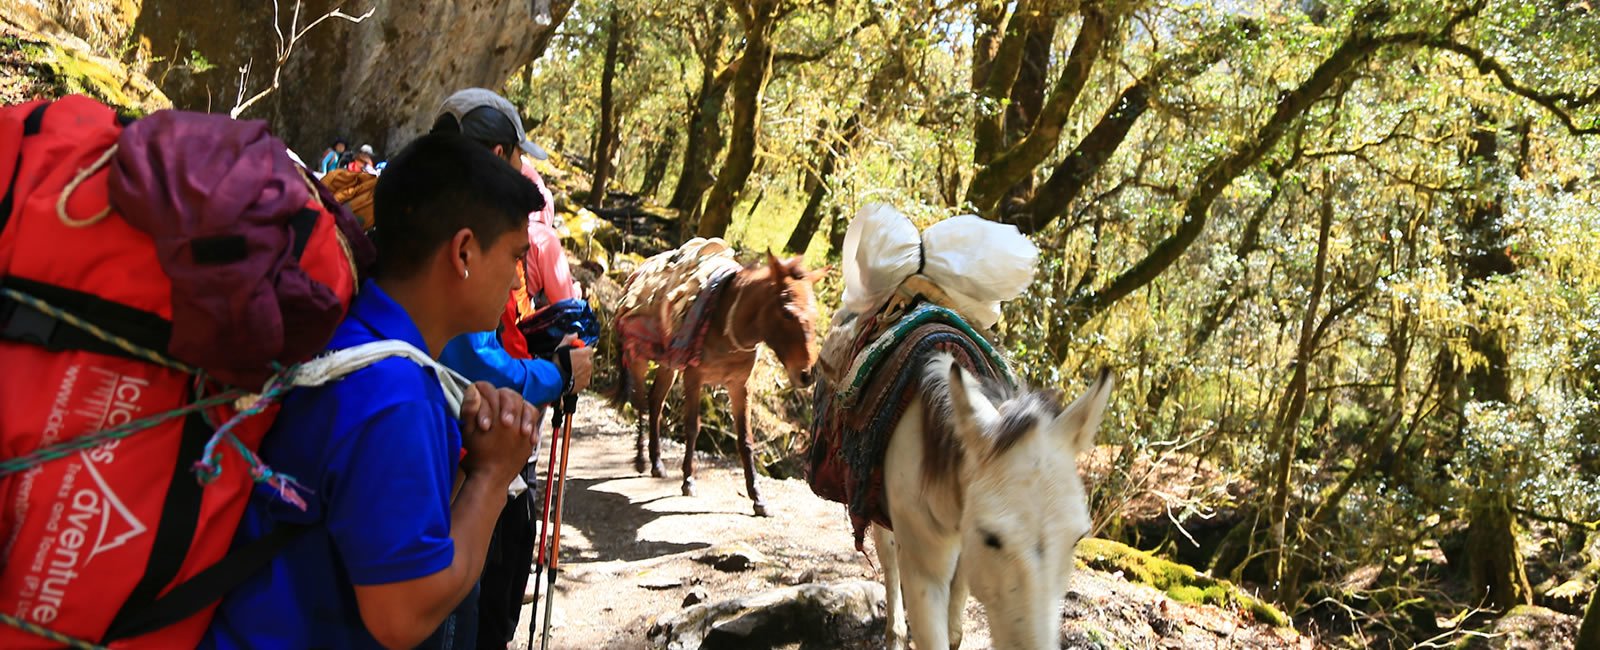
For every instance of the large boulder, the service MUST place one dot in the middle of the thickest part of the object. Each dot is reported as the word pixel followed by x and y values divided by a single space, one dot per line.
pixel 101 24
pixel 378 82
pixel 48 63
pixel 1527 628
pixel 846 614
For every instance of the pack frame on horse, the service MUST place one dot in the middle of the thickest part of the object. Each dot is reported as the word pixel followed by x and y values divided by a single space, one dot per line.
pixel 966 479
pixel 770 303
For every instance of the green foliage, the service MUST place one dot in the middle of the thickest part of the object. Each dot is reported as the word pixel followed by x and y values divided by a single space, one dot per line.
pixel 197 62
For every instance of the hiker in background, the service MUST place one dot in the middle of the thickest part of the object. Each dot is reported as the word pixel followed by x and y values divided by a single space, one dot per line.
pixel 494 123
pixel 364 160
pixel 331 157
pixel 547 278
pixel 398 520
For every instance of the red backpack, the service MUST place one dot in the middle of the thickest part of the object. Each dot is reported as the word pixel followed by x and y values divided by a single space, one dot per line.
pixel 139 263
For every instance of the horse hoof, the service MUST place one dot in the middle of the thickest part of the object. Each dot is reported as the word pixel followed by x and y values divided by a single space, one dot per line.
pixel 761 509
pixel 658 471
pixel 688 488
pixel 638 465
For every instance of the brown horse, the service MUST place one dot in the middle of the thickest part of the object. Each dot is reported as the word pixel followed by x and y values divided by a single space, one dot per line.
pixel 771 303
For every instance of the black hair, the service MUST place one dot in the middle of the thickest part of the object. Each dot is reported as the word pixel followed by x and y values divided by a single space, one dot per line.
pixel 446 123
pixel 438 185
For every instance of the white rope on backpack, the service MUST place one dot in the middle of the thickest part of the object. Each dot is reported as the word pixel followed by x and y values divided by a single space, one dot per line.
pixel 66 193
pixel 336 365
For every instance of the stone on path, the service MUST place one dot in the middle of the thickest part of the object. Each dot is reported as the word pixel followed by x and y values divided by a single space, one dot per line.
pixel 836 615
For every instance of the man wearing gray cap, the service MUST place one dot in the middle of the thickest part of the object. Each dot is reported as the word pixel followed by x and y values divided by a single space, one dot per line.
pixel 491 621
pixel 485 116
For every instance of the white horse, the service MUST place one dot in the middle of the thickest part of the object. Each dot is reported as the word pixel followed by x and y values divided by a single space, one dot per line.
pixel 983 491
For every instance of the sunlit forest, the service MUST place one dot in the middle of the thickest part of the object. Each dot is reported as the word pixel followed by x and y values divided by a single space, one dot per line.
pixel 1341 254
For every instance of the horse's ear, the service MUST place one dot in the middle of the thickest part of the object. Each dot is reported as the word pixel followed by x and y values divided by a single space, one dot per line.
pixel 775 264
pixel 970 410
pixel 1081 421
pixel 817 275
pixel 796 267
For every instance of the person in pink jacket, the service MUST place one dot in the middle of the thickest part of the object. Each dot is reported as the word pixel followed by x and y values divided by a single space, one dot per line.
pixel 546 276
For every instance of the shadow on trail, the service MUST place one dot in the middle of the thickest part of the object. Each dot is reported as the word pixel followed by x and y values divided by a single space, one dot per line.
pixel 611 523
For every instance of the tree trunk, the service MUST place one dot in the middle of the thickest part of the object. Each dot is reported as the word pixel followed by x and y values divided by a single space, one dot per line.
pixel 811 217
pixel 656 171
pixel 702 146
pixel 748 84
pixel 605 148
pixel 999 74
pixel 1028 93
pixel 1494 563
pixel 839 223
pixel 988 18
pixel 1589 631
pixel 704 136
pixel 1286 432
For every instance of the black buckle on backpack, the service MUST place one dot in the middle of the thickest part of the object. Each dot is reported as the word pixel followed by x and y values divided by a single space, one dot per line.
pixel 24 324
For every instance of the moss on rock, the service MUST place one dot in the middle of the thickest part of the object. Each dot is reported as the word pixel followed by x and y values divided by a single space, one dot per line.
pixel 50 69
pixel 1180 581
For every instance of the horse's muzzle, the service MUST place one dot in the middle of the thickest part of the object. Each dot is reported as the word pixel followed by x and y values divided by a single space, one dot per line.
pixel 805 377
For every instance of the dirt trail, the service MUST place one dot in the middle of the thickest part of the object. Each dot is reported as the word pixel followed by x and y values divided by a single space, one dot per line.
pixel 628 542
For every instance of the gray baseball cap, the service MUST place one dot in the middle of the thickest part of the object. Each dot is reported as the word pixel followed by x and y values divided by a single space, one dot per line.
pixel 485 115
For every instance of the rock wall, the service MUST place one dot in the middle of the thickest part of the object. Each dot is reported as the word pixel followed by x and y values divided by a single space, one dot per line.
pixel 379 81
pixel 103 24
pixel 376 82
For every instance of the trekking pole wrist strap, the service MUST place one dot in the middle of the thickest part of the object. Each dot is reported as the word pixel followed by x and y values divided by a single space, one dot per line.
pixel 564 363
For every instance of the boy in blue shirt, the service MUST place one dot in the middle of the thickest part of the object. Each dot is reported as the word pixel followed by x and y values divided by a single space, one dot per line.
pixel 398 520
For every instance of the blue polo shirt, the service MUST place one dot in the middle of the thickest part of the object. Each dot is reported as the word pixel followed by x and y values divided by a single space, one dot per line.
pixel 376 452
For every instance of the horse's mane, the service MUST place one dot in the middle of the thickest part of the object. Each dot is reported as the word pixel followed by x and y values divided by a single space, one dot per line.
pixel 792 271
pixel 1021 410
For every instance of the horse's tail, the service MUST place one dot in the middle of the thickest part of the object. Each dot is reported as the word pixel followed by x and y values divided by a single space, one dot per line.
pixel 621 393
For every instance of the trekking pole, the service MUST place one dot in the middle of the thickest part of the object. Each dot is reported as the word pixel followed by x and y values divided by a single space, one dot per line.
pixel 544 525
pixel 569 405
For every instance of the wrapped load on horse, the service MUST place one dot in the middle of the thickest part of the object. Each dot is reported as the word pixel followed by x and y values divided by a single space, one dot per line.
pixel 908 296
pixel 666 300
